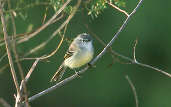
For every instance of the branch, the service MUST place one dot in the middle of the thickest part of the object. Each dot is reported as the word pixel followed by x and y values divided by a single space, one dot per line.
pixel 27 37
pixel 145 65
pixel 7 42
pixel 122 11
pixel 3 56
pixel 49 39
pixel 24 81
pixel 55 33
pixel 65 81
pixel 17 60
pixel 4 103
pixel 132 61
pixel 31 70
pixel 133 90
pixel 59 45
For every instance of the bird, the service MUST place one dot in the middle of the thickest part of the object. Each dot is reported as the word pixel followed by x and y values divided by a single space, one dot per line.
pixel 79 53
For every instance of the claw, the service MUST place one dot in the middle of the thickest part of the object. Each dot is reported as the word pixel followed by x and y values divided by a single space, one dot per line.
pixel 77 74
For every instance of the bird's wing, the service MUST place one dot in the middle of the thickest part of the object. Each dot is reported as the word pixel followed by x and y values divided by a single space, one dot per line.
pixel 70 51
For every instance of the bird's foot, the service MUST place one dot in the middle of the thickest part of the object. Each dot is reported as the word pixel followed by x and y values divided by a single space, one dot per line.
pixel 77 73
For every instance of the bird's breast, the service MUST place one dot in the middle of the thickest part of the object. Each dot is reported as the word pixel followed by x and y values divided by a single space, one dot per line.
pixel 80 58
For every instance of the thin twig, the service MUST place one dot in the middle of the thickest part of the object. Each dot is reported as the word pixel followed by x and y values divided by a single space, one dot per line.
pixel 17 58
pixel 65 81
pixel 31 70
pixel 4 103
pixel 42 45
pixel 31 5
pixel 3 56
pixel 122 11
pixel 8 51
pixel 27 37
pixel 59 45
pixel 133 90
pixel 154 68
pixel 60 17
pixel 55 33
pixel 134 51
pixel 145 65
pixel 28 74
pixel 45 15
pixel 27 78
pixel 4 67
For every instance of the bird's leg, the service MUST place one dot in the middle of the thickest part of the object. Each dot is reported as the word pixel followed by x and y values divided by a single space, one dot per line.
pixel 77 73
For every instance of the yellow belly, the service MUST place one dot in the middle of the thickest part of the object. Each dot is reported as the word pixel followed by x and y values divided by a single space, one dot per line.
pixel 78 60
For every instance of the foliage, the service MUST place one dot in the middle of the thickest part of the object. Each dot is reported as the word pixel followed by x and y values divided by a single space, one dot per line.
pixel 56 4
pixel 94 7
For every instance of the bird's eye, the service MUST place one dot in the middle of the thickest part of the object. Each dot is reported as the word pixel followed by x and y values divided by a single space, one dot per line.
pixel 86 40
pixel 82 40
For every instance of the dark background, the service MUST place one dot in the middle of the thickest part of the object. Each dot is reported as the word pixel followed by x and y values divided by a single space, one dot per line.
pixel 105 85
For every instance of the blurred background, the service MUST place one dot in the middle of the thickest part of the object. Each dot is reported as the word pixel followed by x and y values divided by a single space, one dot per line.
pixel 105 85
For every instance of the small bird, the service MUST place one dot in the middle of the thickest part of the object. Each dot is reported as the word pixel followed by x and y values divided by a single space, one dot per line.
pixel 80 52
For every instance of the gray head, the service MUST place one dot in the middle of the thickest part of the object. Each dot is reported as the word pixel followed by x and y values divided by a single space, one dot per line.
pixel 83 39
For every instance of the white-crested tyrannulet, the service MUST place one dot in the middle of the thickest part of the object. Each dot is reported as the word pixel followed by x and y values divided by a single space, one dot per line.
pixel 80 52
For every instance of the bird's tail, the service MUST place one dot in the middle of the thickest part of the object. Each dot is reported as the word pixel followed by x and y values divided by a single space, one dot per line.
pixel 59 73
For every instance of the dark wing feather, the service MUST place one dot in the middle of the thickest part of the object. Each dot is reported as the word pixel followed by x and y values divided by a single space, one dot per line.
pixel 70 51
pixel 68 54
